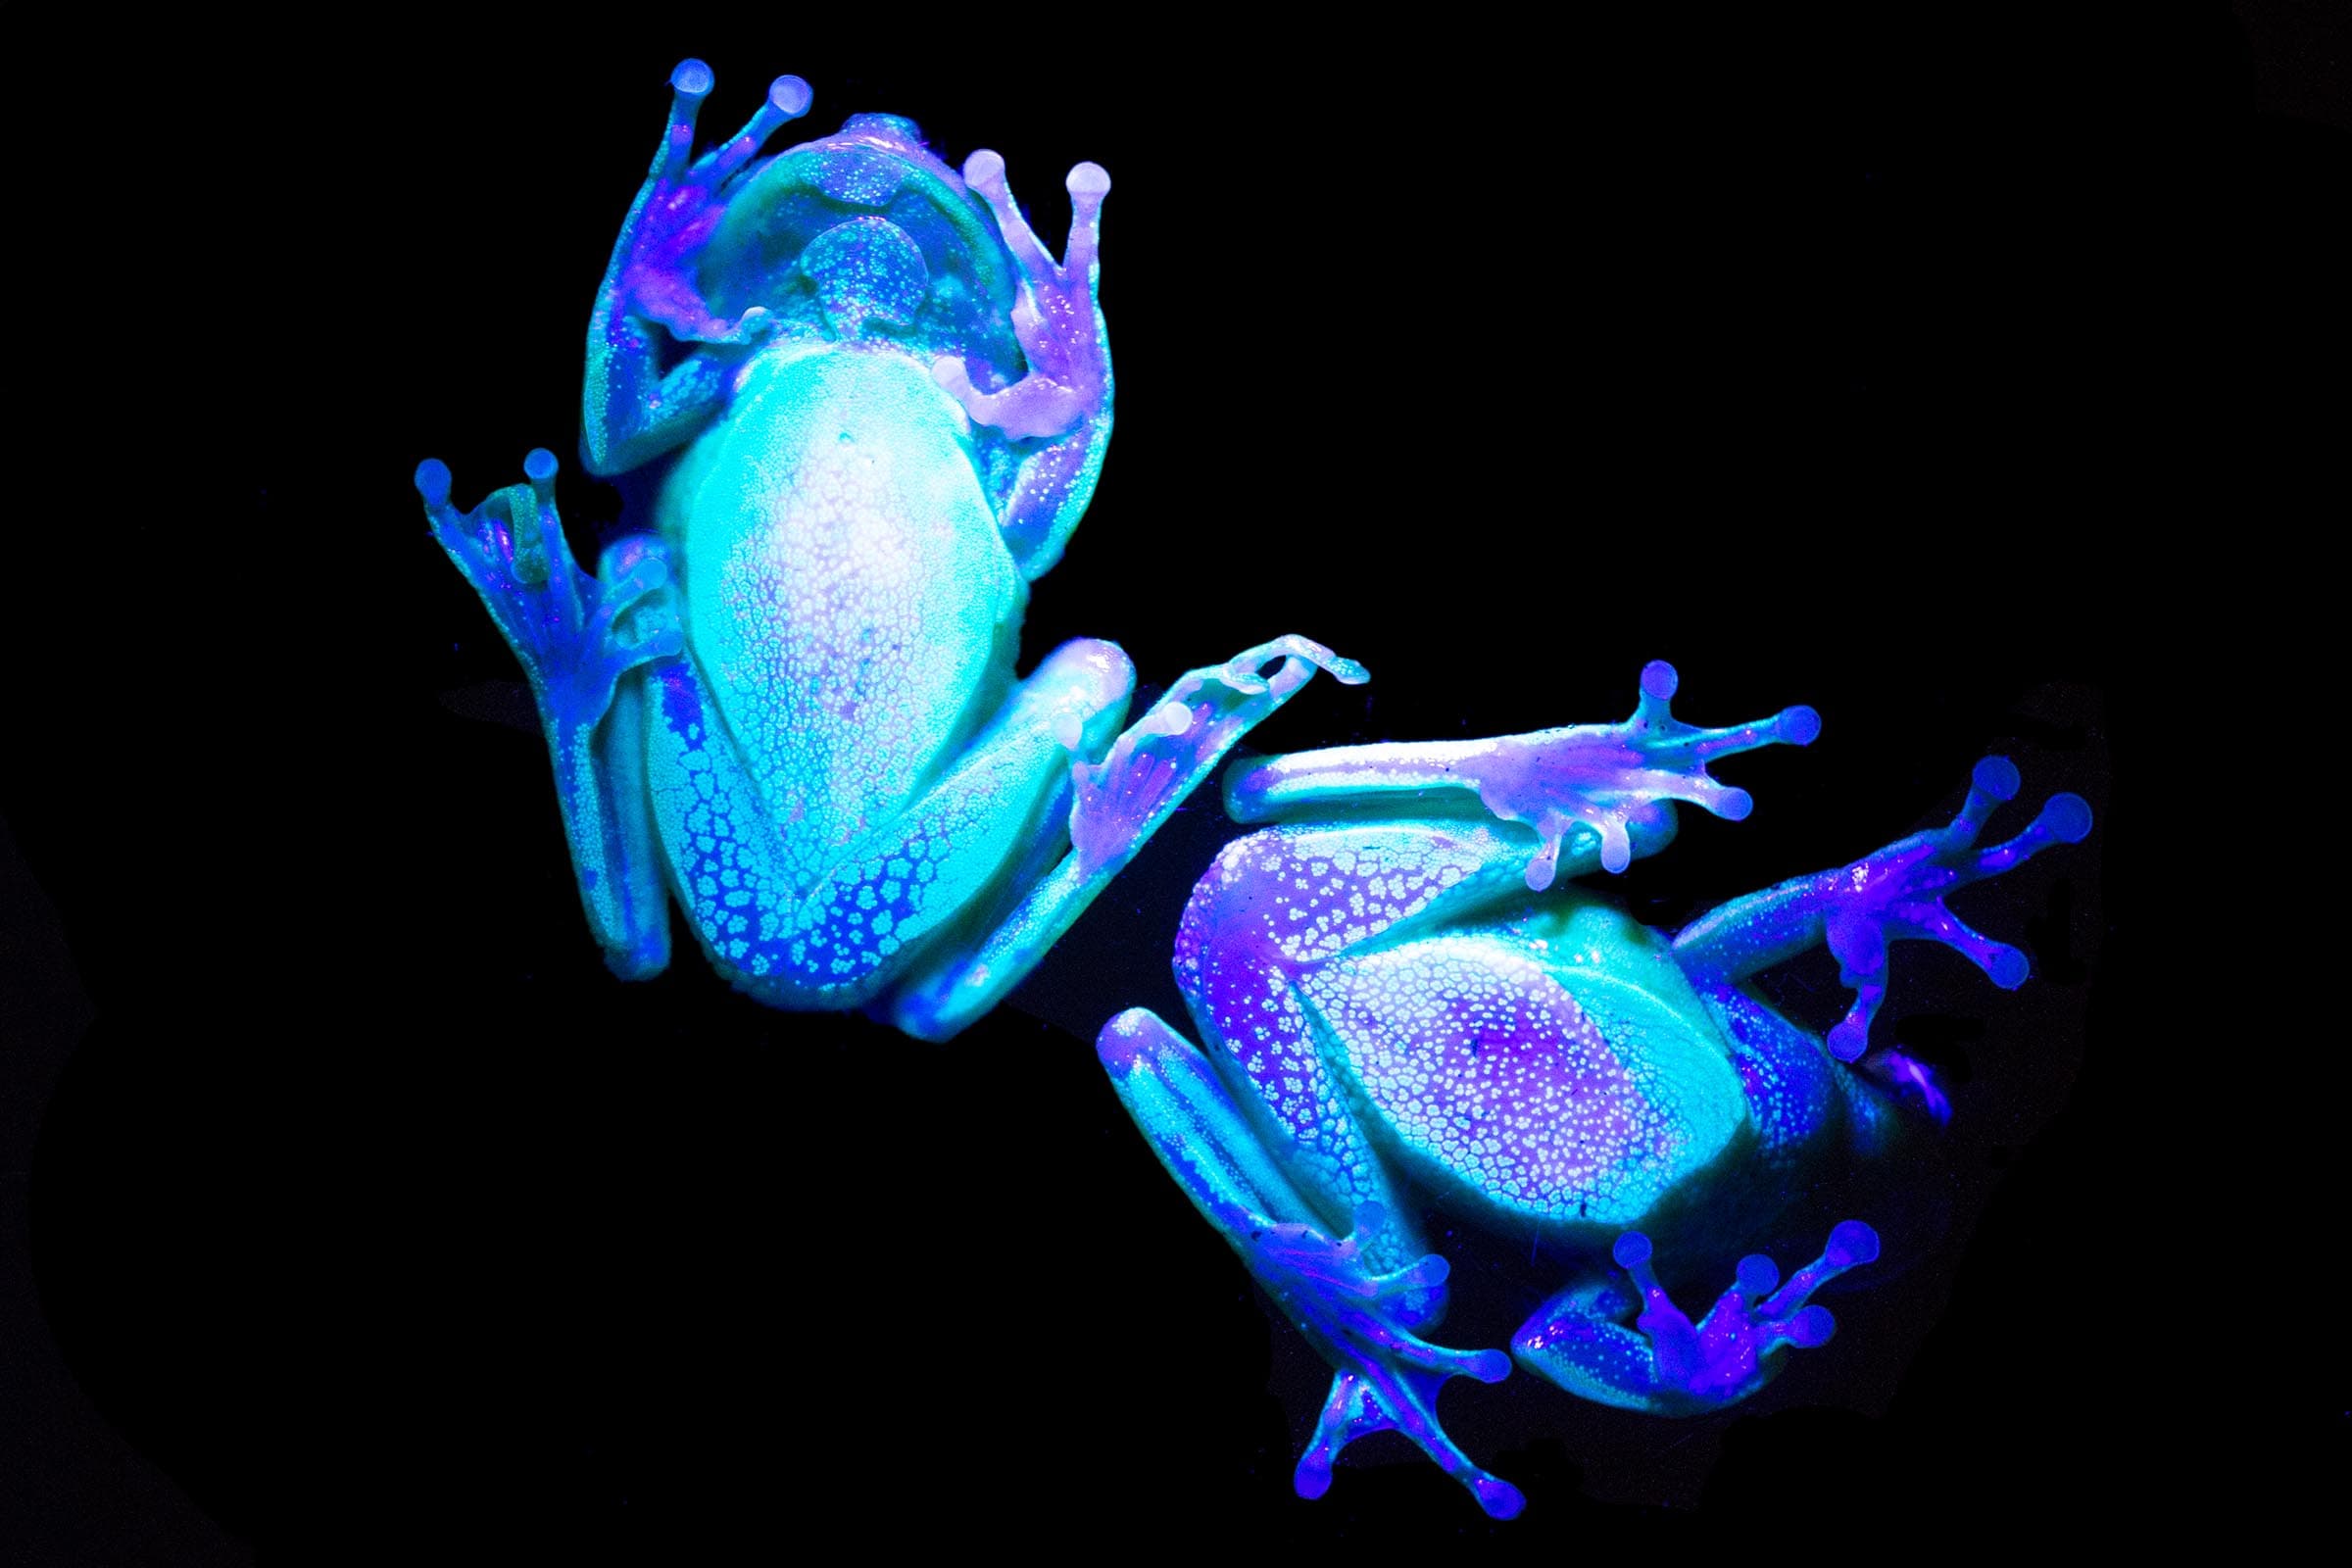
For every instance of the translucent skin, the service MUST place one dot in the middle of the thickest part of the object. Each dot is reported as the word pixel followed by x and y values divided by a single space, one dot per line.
pixel 878 408
pixel 1416 1014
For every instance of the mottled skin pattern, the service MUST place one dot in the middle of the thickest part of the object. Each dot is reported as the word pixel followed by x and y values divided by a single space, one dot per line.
pixel 1411 1010
pixel 875 408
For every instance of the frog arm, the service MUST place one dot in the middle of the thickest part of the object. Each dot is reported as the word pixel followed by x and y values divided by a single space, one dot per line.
pixel 1058 415
pixel 1363 1316
pixel 632 410
pixel 1049 494
pixel 1610 785
pixel 1116 804
pixel 1895 893
pixel 581 641
pixel 1662 1362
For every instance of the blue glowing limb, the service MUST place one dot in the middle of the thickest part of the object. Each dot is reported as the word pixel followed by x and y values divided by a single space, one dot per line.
pixel 1364 1321
pixel 1116 804
pixel 1064 399
pixel 1894 895
pixel 577 637
pixel 1666 1364
pixel 633 411
pixel 1610 783
pixel 802 924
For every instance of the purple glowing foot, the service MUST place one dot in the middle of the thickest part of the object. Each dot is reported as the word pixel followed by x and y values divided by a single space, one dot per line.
pixel 1389 1377
pixel 1615 778
pixel 1163 757
pixel 1897 894
pixel 681 204
pixel 1056 319
pixel 1665 1364
pixel 575 635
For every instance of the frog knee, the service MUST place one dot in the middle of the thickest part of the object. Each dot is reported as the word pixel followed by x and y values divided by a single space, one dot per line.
pixel 1083 687
pixel 1090 667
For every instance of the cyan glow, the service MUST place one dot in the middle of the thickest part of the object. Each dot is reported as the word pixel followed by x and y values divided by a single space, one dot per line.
pixel 1417 1013
pixel 792 708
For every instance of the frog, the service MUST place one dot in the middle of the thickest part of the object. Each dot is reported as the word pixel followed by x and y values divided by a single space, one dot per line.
pixel 1414 1013
pixel 869 407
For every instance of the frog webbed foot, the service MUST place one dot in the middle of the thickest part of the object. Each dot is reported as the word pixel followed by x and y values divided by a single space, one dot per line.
pixel 1898 895
pixel 1387 1377
pixel 1665 1364
pixel 1366 1322
pixel 574 635
pixel 1164 755
pixel 1056 319
pixel 1615 780
pixel 681 204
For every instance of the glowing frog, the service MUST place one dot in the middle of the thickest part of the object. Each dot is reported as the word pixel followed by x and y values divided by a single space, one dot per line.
pixel 1412 1010
pixel 884 408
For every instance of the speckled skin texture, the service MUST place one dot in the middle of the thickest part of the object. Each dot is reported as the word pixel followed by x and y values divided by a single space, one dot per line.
pixel 870 407
pixel 1410 1011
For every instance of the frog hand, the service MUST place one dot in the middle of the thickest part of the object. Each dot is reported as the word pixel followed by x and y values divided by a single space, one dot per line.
pixel 574 635
pixel 1058 317
pixel 655 265
pixel 1612 779
pixel 1386 1378
pixel 1122 800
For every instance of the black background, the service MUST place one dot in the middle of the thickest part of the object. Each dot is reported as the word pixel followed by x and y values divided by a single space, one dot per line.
pixel 1947 379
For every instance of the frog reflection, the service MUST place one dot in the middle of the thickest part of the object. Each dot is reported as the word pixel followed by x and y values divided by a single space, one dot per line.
pixel 1407 1010
pixel 884 408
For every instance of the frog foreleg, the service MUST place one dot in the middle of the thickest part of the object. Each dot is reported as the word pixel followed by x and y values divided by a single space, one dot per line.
pixel 1363 1318
pixel 577 637
pixel 1663 1362
pixel 1893 894
pixel 1610 784
pixel 1116 804
pixel 633 409
pixel 1064 400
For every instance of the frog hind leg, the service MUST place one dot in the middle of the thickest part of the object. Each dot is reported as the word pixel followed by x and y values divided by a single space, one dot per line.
pixel 1894 894
pixel 1387 1378
pixel 1058 415
pixel 1116 805
pixel 935 915
pixel 581 640
pixel 1662 1362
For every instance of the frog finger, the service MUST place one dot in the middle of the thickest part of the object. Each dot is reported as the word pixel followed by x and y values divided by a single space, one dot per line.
pixel 1242 670
pixel 788 99
pixel 689 84
pixel 1088 184
pixel 984 173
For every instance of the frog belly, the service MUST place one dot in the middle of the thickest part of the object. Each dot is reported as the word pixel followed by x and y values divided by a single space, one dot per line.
pixel 1487 1073
pixel 848 597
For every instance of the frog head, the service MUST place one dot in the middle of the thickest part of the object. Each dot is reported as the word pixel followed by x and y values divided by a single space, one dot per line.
pixel 867 236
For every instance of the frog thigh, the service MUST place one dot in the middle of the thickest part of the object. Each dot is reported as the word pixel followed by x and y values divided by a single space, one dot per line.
pixel 1567 1109
pixel 1270 911
pixel 837 935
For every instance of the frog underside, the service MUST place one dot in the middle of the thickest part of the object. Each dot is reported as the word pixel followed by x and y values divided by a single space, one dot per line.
pixel 1404 1015
pixel 884 407
pixel 1491 1079
pixel 794 708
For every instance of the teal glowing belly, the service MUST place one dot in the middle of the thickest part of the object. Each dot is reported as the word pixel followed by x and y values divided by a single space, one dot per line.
pixel 849 597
